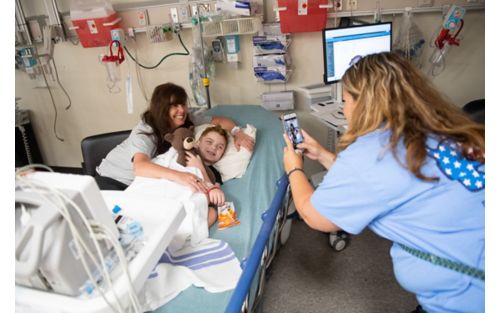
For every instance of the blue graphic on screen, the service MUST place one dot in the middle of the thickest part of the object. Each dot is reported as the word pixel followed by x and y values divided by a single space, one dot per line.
pixel 343 47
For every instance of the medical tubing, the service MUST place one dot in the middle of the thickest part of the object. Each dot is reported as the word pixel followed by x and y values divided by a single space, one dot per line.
pixel 162 59
pixel 124 264
pixel 60 85
pixel 62 209
pixel 64 213
pixel 53 103
pixel 246 278
pixel 26 144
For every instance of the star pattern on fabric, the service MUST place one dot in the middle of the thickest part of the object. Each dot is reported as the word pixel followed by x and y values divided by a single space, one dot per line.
pixel 450 161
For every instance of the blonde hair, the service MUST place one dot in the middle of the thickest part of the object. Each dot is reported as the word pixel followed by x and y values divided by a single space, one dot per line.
pixel 392 93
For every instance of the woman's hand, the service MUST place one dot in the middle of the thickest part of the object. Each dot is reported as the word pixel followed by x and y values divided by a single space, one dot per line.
pixel 242 139
pixel 194 161
pixel 216 196
pixel 190 180
pixel 291 158
pixel 314 151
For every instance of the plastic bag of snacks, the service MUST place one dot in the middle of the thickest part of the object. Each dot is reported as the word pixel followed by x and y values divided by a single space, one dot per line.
pixel 227 215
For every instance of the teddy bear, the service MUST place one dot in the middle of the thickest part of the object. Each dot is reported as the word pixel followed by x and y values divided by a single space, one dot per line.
pixel 182 140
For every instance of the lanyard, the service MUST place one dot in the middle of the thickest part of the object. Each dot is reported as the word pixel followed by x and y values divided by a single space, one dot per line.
pixel 436 260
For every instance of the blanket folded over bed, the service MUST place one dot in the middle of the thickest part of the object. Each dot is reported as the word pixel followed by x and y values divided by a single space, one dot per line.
pixel 191 257
pixel 211 265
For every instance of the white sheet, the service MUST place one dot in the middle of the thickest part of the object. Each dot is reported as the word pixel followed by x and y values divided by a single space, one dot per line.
pixel 191 257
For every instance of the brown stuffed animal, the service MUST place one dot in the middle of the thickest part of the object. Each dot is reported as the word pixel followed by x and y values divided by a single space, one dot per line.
pixel 182 139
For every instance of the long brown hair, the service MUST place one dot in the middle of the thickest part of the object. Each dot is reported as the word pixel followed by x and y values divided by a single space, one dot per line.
pixel 392 93
pixel 156 116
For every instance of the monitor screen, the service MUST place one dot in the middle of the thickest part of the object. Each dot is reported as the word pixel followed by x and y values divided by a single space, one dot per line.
pixel 343 47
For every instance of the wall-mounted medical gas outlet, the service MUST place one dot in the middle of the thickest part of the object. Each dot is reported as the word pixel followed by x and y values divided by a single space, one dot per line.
pixel 174 15
pixel 218 50
pixel 351 5
pixel 118 35
pixel 142 17
pixel 194 9
pixel 184 13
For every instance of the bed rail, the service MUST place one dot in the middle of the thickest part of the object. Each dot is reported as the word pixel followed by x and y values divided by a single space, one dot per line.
pixel 252 264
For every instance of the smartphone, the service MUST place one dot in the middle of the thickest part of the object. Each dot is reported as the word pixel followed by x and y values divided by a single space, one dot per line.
pixel 292 128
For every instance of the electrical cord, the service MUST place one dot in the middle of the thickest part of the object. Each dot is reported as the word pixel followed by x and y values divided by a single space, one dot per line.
pixel 53 103
pixel 107 235
pixel 162 59
pixel 140 81
pixel 60 85
pixel 80 244
pixel 61 205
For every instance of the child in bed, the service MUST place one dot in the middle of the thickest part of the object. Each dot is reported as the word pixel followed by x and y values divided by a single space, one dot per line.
pixel 211 147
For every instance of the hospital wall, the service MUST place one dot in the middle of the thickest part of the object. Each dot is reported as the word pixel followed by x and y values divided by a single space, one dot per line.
pixel 95 109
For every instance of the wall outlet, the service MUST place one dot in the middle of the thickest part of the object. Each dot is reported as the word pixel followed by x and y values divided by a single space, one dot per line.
pixel 351 5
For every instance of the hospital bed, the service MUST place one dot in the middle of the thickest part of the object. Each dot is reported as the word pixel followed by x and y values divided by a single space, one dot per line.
pixel 261 198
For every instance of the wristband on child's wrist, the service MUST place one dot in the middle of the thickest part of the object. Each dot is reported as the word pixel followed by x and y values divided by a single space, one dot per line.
pixel 212 188
pixel 235 130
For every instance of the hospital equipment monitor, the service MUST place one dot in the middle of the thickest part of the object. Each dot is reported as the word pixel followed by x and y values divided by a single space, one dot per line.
pixel 46 254
pixel 342 47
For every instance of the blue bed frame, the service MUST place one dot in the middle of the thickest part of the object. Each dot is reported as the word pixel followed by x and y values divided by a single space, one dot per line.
pixel 263 213
pixel 251 267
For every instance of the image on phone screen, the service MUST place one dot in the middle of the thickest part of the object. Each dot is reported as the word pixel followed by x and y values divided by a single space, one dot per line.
pixel 292 128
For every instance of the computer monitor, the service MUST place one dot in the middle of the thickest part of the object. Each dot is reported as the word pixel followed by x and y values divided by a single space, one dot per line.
pixel 343 47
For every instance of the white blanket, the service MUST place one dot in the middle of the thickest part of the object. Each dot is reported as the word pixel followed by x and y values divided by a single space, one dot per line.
pixel 194 226
pixel 211 265
pixel 191 257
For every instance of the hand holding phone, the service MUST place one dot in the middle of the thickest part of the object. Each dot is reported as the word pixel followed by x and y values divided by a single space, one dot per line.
pixel 292 129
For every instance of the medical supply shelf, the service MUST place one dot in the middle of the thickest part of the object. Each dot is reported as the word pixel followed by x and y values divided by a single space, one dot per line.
pixel 442 9
pixel 224 27
pixel 159 227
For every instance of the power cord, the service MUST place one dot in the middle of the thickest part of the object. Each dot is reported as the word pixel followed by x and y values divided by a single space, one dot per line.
pixel 61 202
pixel 162 59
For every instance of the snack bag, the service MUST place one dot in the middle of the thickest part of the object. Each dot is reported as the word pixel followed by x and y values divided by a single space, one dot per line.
pixel 227 215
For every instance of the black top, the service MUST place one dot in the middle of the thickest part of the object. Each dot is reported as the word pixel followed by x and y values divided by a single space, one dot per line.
pixel 218 177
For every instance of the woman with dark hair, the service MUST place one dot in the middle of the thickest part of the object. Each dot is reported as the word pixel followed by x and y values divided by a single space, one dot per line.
pixel 167 111
pixel 411 168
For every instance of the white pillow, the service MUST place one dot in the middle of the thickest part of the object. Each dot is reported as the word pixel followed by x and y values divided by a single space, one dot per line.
pixel 234 163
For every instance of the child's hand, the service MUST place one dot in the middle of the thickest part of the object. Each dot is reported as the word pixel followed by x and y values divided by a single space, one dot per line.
pixel 216 196
pixel 194 161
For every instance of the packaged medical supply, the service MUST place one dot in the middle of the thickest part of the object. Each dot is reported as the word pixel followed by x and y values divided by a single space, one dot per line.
pixel 270 74
pixel 233 7
pixel 129 229
pixel 270 44
pixel 271 60
pixel 227 215
pixel 110 261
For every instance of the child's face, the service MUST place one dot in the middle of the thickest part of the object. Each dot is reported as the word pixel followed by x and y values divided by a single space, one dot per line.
pixel 212 147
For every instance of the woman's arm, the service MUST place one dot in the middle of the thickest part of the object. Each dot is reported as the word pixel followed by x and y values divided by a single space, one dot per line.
pixel 144 167
pixel 314 151
pixel 240 138
pixel 302 190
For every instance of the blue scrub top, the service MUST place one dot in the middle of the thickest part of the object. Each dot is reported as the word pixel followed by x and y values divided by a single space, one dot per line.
pixel 367 186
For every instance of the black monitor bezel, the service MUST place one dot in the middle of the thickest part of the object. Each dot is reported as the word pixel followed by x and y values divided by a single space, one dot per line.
pixel 323 36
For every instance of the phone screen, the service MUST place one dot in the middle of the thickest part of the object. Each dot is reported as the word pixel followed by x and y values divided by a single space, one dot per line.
pixel 292 128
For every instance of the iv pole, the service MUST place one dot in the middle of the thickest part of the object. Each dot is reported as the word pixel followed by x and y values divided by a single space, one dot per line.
pixel 205 80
